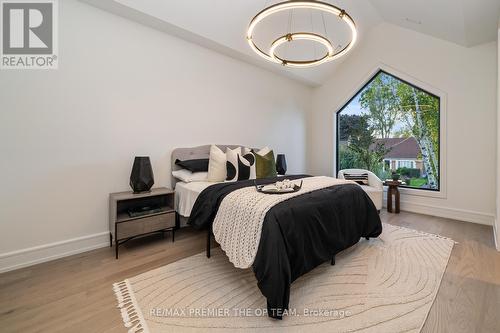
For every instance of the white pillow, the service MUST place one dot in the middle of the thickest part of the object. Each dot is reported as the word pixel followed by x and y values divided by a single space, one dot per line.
pixel 232 164
pixel 264 151
pixel 216 165
pixel 188 176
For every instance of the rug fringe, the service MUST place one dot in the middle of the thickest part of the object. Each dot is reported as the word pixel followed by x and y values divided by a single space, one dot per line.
pixel 131 314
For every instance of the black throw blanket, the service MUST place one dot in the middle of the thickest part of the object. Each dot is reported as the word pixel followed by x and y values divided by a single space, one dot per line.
pixel 297 234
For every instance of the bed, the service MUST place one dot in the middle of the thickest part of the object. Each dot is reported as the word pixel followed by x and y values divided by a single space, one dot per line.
pixel 186 195
pixel 295 234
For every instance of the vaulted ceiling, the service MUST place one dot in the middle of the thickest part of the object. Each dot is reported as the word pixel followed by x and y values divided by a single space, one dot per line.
pixel 221 24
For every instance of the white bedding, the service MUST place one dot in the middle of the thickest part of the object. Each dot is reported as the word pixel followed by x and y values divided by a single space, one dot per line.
pixel 186 195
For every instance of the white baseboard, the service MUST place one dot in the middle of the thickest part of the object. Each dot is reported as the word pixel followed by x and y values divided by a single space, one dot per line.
pixel 496 234
pixel 38 254
pixel 446 212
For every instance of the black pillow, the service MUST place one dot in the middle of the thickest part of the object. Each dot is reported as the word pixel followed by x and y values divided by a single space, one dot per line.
pixel 245 164
pixel 197 165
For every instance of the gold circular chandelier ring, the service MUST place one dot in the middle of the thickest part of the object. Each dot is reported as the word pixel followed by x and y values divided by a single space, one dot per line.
pixel 315 5
pixel 301 36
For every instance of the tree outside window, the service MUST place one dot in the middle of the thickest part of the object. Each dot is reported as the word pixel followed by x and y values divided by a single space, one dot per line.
pixel 391 126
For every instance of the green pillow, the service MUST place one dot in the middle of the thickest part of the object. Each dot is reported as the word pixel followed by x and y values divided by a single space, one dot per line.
pixel 265 166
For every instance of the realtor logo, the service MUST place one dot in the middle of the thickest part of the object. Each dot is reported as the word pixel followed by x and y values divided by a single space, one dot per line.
pixel 29 39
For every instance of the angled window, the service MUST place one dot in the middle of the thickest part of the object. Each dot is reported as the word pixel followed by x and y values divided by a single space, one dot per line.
pixel 391 126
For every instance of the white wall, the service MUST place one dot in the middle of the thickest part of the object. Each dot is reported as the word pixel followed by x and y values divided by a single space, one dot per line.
pixel 497 220
pixel 467 76
pixel 68 136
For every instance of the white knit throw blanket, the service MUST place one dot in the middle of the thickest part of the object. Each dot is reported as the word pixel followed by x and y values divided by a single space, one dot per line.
pixel 238 223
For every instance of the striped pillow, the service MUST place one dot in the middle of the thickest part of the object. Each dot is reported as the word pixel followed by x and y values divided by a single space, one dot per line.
pixel 360 178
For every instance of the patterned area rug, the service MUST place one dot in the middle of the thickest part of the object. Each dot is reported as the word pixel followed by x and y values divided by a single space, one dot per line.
pixel 381 285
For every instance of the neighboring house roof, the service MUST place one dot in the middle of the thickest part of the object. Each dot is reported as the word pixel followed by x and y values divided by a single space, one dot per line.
pixel 400 147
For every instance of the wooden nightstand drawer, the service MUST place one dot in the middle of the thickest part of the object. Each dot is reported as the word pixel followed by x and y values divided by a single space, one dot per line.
pixel 137 214
pixel 145 225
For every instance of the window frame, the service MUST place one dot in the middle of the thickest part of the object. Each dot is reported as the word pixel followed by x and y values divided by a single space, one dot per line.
pixel 441 192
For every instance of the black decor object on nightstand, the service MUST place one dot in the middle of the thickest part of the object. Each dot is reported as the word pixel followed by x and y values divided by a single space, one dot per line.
pixel 281 164
pixel 141 178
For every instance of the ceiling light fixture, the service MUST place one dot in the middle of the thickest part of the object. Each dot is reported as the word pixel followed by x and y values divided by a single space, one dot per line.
pixel 291 36
pixel 301 36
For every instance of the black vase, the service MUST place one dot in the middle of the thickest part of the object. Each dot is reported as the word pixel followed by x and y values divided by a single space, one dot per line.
pixel 141 178
pixel 281 164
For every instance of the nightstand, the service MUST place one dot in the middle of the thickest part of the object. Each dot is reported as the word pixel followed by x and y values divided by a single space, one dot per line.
pixel 137 214
pixel 393 189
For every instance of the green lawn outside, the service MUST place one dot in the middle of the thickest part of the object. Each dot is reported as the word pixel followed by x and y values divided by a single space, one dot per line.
pixel 417 182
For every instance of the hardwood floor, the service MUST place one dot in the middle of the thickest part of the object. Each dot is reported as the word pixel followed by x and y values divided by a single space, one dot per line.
pixel 74 294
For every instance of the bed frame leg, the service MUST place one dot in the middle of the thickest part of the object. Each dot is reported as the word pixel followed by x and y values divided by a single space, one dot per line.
pixel 333 261
pixel 209 235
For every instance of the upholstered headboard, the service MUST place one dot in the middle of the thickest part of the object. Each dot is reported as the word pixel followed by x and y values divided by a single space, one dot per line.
pixel 193 153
